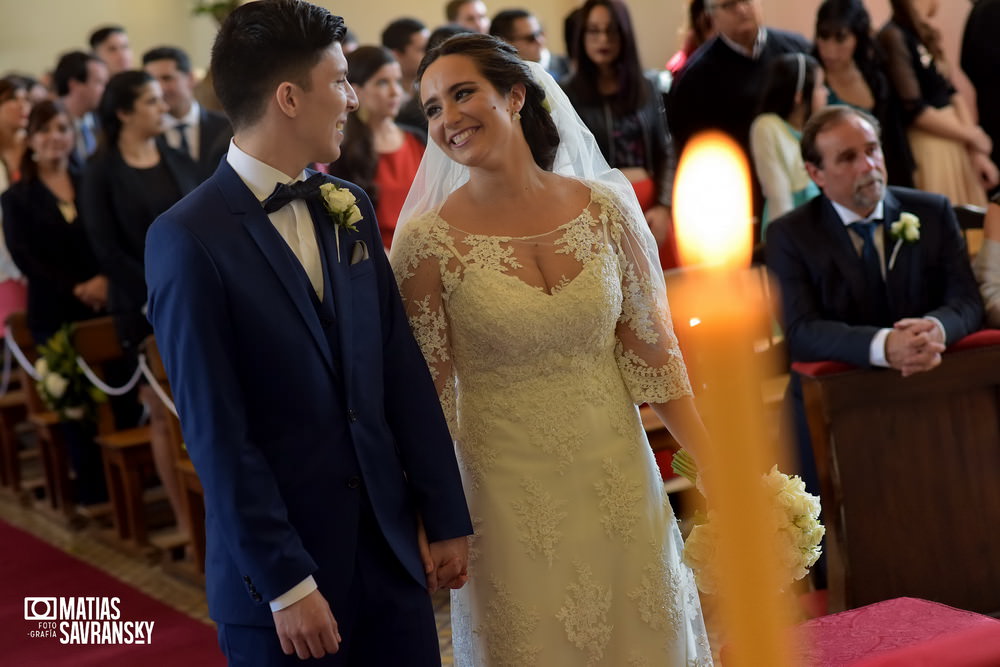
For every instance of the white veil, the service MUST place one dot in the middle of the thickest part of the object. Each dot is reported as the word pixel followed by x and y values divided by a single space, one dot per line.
pixel 578 156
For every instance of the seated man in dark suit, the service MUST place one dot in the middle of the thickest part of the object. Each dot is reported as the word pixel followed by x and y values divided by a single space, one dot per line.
pixel 202 134
pixel 891 292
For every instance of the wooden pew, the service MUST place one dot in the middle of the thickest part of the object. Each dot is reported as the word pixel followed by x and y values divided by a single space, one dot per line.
pixel 51 443
pixel 127 455
pixel 13 411
pixel 910 478
pixel 166 425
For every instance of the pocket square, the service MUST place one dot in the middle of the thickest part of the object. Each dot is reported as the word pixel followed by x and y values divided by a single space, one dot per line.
pixel 359 252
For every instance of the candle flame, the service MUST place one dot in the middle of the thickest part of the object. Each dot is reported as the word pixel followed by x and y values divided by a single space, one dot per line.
pixel 712 206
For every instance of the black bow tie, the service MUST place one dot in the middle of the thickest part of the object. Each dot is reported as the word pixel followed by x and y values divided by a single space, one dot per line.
pixel 284 193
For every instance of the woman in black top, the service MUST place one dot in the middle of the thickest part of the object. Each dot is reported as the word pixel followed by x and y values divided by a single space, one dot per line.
pixel 127 183
pixel 43 229
pixel 624 110
pixel 951 151
pixel 855 74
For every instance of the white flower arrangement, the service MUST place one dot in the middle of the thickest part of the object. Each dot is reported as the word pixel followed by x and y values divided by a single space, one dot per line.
pixel 796 518
pixel 907 229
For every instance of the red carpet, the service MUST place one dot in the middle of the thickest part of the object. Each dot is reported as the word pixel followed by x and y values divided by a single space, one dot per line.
pixel 31 568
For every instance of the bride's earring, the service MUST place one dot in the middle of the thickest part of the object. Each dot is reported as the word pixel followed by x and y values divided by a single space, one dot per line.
pixel 517 115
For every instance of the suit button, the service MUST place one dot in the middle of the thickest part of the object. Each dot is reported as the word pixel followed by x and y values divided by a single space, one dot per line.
pixel 256 597
pixel 246 580
pixel 326 322
pixel 352 414
pixel 353 482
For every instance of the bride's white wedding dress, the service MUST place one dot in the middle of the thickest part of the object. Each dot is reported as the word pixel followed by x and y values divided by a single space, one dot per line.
pixel 577 556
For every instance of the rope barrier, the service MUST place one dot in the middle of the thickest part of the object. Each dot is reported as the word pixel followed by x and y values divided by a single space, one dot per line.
pixel 155 385
pixel 107 389
pixel 11 345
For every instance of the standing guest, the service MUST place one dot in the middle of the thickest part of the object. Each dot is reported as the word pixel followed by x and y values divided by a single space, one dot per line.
pixel 719 86
pixel 951 152
pixel 110 44
pixel 855 74
pixel 699 30
pixel 79 80
pixel 794 89
pixel 325 459
pixel 43 230
pixel 14 110
pixel 981 61
pixel 521 28
pixel 190 128
pixel 531 279
pixel 624 111
pixel 377 154
pixel 850 291
pixel 468 13
pixel 49 244
pixel 126 184
pixel 407 39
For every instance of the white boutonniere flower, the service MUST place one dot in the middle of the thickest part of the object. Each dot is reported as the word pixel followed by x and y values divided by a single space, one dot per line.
pixel 342 206
pixel 906 229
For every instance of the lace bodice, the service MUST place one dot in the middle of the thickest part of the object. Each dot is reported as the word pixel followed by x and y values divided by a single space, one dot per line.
pixel 492 313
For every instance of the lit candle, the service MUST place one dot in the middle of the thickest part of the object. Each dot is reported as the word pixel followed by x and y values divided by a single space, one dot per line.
pixel 721 301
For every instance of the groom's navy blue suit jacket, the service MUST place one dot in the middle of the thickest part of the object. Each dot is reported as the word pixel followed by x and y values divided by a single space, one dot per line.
pixel 829 315
pixel 290 414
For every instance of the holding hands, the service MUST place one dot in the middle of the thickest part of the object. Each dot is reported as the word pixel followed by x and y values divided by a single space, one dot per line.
pixel 446 562
pixel 914 345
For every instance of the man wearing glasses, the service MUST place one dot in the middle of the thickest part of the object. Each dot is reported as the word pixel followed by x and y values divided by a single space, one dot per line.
pixel 717 88
pixel 521 29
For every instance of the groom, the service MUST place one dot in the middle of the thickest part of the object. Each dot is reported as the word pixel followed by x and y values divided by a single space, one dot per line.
pixel 306 405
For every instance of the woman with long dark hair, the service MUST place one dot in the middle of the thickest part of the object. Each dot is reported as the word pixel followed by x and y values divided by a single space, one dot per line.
pixel 952 153
pixel 377 153
pixel 855 74
pixel 14 109
pixel 624 110
pixel 130 180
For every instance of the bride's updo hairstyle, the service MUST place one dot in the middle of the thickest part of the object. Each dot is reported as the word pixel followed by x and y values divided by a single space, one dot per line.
pixel 499 64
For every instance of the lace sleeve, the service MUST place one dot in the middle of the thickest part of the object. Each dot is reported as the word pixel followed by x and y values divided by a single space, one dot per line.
pixel 646 349
pixel 418 260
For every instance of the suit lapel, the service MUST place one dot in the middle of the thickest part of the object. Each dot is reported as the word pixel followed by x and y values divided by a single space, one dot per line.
pixel 339 277
pixel 843 251
pixel 244 206
pixel 898 278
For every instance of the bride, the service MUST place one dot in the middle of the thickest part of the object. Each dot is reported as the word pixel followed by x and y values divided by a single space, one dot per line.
pixel 531 282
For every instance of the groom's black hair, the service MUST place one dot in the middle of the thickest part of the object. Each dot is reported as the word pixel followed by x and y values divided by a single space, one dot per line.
pixel 261 44
pixel 500 64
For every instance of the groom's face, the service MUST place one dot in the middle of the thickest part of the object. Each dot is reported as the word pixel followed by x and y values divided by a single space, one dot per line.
pixel 325 106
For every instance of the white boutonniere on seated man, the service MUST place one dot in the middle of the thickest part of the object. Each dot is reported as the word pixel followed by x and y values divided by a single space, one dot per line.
pixel 342 206
pixel 906 229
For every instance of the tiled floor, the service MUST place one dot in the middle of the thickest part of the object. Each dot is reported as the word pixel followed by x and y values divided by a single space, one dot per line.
pixel 150 579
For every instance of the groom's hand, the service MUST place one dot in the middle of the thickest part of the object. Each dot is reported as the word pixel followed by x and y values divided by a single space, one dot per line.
pixel 451 562
pixel 307 628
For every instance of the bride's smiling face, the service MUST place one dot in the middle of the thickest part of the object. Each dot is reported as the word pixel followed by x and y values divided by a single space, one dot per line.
pixel 467 117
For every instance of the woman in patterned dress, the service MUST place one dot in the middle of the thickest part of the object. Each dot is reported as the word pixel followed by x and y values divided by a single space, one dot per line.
pixel 532 285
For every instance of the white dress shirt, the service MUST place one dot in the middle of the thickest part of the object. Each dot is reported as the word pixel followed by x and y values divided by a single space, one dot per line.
pixel 876 350
pixel 191 122
pixel 292 221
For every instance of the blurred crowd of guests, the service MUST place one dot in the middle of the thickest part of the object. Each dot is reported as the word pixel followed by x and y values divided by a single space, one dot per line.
pixel 93 151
